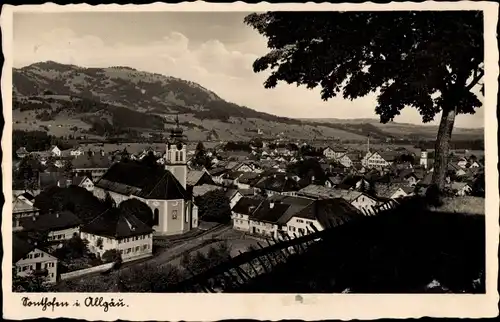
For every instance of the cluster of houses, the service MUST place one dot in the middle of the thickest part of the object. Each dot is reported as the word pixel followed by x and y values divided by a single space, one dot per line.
pixel 264 198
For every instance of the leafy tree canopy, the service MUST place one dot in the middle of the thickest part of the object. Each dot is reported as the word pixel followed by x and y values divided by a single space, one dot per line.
pixel 427 60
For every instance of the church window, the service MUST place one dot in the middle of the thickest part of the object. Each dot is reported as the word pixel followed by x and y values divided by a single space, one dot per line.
pixel 156 217
pixel 174 214
pixel 176 156
pixel 181 158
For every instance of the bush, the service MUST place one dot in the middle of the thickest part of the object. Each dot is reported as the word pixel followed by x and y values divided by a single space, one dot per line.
pixel 112 255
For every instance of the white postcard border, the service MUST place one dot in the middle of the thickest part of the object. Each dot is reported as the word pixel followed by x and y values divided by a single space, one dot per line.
pixel 195 307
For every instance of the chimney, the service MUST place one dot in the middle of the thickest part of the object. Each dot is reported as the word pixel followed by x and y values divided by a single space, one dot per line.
pixel 34 217
pixel 57 214
pixel 271 205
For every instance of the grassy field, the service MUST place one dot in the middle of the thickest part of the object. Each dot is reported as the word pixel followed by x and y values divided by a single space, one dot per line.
pixel 465 205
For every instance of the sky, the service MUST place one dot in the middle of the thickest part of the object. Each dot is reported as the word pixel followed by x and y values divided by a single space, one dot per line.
pixel 214 49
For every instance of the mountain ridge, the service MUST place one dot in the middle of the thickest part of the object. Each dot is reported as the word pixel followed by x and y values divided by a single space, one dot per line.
pixel 101 99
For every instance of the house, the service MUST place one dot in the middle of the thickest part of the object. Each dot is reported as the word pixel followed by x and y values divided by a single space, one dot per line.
pixel 353 182
pixel 462 162
pixel 278 184
pixel 242 210
pixel 379 159
pixel 331 182
pixel 329 153
pixel 264 220
pixel 28 259
pixel 218 173
pixel 348 160
pixel 76 152
pixel 409 176
pixel 461 188
pixel 231 177
pixel 234 196
pixel 269 219
pixel 247 180
pixel 390 191
pixel 84 182
pixel 119 230
pixel 247 167
pixel 203 189
pixel 322 214
pixel 22 152
pixel 56 225
pixel 357 199
pixel 22 209
pixel 198 178
pixel 55 151
pixel 93 166
pixel 163 189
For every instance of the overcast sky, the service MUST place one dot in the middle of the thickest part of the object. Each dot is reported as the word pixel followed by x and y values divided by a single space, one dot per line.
pixel 213 49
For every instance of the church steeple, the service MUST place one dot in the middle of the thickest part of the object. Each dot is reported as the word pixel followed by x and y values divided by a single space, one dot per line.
pixel 175 157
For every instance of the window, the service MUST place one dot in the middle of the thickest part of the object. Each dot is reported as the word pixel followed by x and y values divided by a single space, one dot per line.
pixel 174 214
pixel 137 248
pixel 37 255
pixel 156 217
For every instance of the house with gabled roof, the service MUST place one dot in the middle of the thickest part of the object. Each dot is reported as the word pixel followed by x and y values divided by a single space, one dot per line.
pixel 28 258
pixel 56 225
pixel 242 210
pixel 121 231
pixel 322 214
pixel 22 209
pixel 278 183
pixel 269 218
pixel 357 199
pixel 198 178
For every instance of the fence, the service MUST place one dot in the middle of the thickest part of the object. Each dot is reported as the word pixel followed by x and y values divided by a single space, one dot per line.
pixel 249 265
pixel 80 272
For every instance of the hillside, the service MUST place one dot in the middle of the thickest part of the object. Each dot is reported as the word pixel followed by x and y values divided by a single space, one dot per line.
pixel 121 101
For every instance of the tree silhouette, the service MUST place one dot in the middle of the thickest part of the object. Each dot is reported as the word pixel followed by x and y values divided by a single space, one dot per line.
pixel 200 157
pixel 427 60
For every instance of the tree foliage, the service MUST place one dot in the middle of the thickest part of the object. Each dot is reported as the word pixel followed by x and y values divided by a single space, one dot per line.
pixel 429 60
pixel 75 199
pixel 200 158
pixel 214 206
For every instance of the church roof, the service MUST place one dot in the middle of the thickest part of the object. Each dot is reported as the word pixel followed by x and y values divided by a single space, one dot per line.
pixel 142 181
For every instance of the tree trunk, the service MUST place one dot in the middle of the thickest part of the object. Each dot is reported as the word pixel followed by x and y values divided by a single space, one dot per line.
pixel 442 148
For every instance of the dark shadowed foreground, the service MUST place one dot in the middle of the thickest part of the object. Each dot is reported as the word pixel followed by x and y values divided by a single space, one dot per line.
pixel 409 249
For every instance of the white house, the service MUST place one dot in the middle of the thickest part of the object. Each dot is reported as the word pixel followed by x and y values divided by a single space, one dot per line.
pixel 27 259
pixel 357 199
pixel 322 214
pixel 329 153
pixel 241 212
pixel 55 151
pixel 118 230
pixel 76 152
pixel 58 225
pixel 84 182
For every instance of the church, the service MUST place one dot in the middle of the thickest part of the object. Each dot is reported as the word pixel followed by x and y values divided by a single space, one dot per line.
pixel 163 189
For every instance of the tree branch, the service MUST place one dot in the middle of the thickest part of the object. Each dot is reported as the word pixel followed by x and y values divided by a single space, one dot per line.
pixel 476 80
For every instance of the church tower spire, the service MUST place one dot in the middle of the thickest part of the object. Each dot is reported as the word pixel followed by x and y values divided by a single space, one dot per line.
pixel 175 156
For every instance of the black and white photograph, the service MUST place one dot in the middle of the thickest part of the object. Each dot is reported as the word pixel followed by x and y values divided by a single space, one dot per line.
pixel 296 152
